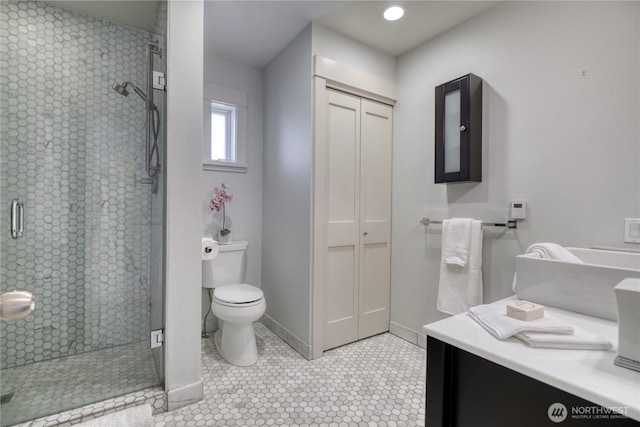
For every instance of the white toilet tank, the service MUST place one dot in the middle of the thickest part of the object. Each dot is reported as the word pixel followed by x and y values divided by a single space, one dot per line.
pixel 228 268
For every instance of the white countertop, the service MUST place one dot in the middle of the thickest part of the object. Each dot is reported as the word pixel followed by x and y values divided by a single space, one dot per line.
pixel 588 374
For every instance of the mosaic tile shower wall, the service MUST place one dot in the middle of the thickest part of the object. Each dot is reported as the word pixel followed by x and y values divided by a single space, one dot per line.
pixel 73 150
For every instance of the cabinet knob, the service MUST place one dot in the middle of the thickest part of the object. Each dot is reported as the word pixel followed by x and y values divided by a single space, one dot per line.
pixel 463 128
pixel 365 233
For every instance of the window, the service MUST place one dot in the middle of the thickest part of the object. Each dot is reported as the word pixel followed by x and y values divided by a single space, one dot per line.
pixel 224 142
pixel 223 132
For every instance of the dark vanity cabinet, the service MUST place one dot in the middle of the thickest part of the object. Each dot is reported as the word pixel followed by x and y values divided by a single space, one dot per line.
pixel 466 390
pixel 458 145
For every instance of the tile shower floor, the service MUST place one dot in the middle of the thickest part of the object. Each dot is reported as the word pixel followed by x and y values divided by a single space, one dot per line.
pixel 379 381
pixel 42 388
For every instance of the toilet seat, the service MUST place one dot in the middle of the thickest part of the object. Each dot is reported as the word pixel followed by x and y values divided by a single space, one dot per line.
pixel 242 295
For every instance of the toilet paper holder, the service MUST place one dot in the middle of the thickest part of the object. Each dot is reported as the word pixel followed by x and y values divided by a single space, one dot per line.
pixel 209 249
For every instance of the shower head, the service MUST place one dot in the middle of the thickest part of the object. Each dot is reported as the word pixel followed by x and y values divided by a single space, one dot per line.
pixel 121 88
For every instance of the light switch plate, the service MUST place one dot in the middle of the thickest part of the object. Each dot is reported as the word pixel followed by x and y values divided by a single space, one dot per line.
pixel 632 230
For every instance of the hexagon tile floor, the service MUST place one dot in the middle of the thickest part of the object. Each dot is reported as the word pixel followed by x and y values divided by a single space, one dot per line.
pixel 40 388
pixel 379 381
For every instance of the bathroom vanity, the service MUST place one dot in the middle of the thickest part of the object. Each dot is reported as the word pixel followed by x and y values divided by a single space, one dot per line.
pixel 474 379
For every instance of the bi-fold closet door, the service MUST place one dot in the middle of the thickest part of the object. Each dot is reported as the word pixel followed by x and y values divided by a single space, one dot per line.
pixel 358 182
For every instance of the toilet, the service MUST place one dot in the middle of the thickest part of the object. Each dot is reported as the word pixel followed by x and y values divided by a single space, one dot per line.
pixel 236 304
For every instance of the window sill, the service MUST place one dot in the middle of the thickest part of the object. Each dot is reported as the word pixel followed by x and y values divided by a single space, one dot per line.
pixel 224 166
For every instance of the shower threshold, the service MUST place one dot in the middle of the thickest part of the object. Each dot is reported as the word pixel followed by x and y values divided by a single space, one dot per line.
pixel 57 385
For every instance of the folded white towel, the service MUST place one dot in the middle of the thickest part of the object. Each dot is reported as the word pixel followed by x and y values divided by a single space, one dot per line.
pixel 547 251
pixel 493 317
pixel 461 287
pixel 552 251
pixel 579 340
pixel 138 416
pixel 456 247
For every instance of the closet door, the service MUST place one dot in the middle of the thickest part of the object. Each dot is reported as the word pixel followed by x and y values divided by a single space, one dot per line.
pixel 375 218
pixel 342 260
pixel 358 209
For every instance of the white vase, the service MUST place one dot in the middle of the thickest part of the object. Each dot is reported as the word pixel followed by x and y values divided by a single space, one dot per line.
pixel 224 240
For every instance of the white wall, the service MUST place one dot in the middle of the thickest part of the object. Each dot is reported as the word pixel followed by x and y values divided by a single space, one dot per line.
pixel 347 51
pixel 245 212
pixel 288 165
pixel 561 129
pixel 286 214
pixel 183 381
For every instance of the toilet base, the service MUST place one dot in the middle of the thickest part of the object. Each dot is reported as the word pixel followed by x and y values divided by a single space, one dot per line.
pixel 237 344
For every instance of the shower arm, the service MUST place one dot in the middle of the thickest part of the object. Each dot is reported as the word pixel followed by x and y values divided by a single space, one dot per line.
pixel 138 91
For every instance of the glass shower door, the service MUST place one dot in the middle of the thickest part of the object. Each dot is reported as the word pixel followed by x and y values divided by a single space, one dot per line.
pixel 72 150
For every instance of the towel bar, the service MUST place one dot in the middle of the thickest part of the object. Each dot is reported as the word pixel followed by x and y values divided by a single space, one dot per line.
pixel 511 223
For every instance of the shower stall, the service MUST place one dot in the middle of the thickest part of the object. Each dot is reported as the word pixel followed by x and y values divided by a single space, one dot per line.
pixel 82 168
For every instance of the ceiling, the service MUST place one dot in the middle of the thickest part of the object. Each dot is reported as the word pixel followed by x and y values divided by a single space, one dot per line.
pixel 254 31
pixel 133 13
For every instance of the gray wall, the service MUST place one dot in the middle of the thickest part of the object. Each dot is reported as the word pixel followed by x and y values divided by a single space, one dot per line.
pixel 183 381
pixel 288 165
pixel 245 212
pixel 561 129
pixel 286 207
pixel 347 51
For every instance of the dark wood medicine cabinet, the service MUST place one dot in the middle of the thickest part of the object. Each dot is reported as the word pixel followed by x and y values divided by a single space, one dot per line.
pixel 458 143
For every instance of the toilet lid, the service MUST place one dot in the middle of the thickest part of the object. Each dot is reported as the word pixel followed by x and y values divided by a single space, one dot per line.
pixel 238 294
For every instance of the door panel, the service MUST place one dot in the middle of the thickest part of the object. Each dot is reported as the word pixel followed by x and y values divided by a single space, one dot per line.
pixel 375 213
pixel 376 161
pixel 342 299
pixel 344 135
pixel 343 213
pixel 373 300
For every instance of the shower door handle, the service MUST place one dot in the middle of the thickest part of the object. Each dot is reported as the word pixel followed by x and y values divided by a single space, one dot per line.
pixel 17 218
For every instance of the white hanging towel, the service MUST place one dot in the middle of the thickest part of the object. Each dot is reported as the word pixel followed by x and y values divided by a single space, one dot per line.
pixel 456 248
pixel 460 287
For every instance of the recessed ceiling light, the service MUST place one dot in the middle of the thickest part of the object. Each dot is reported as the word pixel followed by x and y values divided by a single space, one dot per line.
pixel 393 13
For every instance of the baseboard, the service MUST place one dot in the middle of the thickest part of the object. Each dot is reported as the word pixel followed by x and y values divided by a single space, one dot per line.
pixel 285 335
pixel 422 340
pixel 183 396
pixel 408 334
